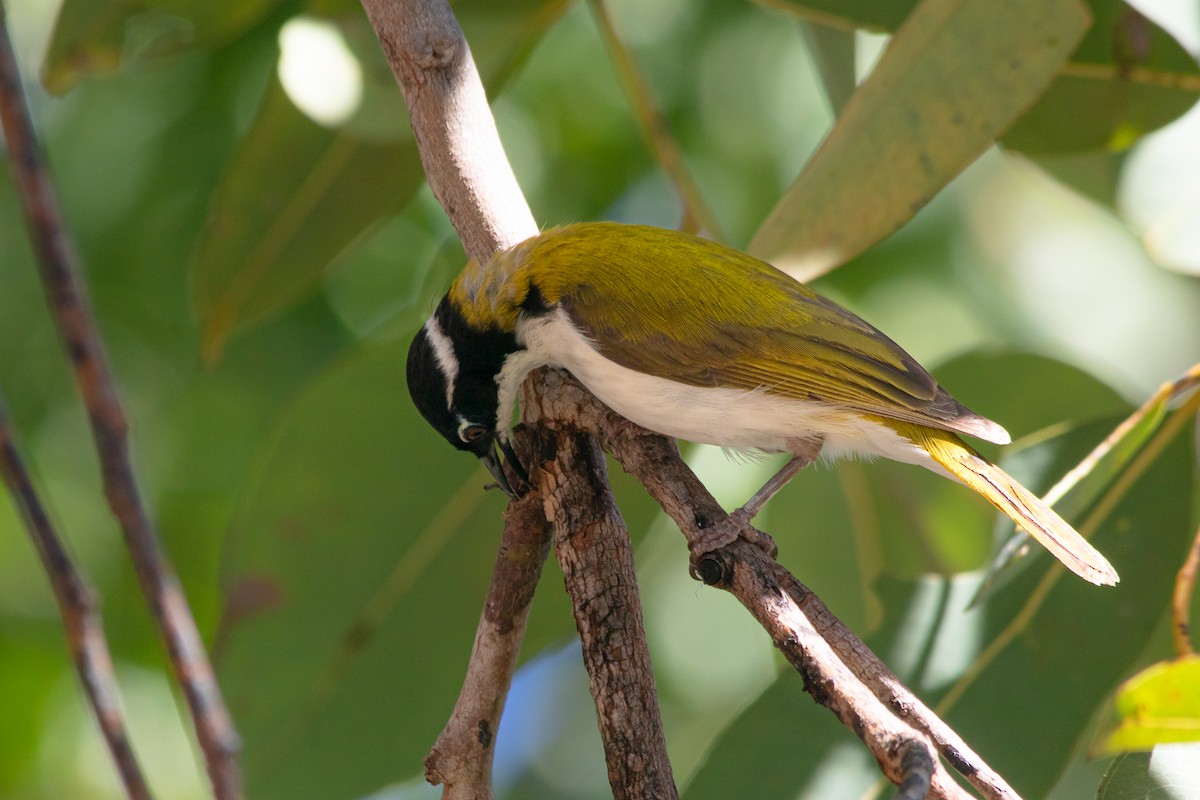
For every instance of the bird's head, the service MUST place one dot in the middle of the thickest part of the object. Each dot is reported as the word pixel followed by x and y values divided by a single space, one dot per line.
pixel 453 371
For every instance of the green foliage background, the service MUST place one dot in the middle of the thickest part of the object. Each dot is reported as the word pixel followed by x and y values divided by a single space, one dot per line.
pixel 257 276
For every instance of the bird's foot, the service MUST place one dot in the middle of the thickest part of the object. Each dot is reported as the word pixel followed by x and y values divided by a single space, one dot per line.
pixel 708 537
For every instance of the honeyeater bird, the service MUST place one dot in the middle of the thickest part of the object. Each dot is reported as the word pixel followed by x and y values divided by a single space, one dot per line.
pixel 694 340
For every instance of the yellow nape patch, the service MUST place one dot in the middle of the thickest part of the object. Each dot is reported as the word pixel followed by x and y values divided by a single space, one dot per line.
pixel 490 295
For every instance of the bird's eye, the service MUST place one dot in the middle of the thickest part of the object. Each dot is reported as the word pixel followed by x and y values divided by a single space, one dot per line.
pixel 470 431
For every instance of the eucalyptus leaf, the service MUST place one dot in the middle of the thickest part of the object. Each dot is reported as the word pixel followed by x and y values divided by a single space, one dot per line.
pixel 92 37
pixel 1159 705
pixel 296 194
pixel 355 571
pixel 1042 665
pixel 952 79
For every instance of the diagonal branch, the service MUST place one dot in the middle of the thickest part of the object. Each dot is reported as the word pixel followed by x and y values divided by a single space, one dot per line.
pixel 72 313
pixel 655 462
pixel 461 759
pixel 80 615
pixel 468 173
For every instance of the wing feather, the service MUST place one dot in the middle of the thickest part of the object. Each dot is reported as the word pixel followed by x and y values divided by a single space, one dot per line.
pixel 756 329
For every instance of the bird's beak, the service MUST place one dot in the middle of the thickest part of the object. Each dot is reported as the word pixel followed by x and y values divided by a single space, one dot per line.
pixel 494 465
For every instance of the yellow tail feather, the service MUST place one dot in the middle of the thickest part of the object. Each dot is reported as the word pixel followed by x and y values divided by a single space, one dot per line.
pixel 1025 508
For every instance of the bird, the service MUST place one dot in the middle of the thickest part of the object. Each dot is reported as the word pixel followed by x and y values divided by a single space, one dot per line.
pixel 698 341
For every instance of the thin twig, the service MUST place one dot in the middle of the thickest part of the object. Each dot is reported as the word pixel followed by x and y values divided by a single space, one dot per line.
pixel 461 760
pixel 697 216
pixel 755 580
pixel 654 461
pixel 468 173
pixel 1181 600
pixel 80 615
pixel 70 307
pixel 460 148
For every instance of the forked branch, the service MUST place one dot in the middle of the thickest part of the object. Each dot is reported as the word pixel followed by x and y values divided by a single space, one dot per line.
pixel 467 171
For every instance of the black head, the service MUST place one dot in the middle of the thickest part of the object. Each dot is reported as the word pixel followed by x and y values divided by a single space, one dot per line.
pixel 452 370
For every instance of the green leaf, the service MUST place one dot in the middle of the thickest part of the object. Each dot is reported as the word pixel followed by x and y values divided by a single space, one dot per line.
pixel 953 78
pixel 1159 705
pixel 1128 77
pixel 92 37
pixel 296 195
pixel 356 567
pixel 1169 771
pixel 292 199
pixel 833 50
pixel 1044 667
pixel 1079 488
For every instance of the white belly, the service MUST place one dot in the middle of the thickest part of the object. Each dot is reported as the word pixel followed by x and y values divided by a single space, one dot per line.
pixel 732 418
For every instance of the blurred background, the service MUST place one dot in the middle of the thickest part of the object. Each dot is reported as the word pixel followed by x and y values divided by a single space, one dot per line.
pixel 242 186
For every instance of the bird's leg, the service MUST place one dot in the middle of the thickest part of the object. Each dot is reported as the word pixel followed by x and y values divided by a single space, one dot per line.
pixel 737 524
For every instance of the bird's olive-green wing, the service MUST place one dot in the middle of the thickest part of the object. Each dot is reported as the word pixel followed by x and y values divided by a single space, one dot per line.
pixel 696 312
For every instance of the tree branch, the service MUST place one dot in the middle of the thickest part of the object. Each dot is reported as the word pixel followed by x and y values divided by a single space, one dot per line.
pixel 461 759
pixel 593 549
pixel 471 177
pixel 469 174
pixel 72 313
pixel 460 149
pixel 80 615
pixel 654 461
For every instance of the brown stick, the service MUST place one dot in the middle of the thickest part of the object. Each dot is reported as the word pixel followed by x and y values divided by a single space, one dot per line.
pixel 1181 600
pixel 467 170
pixel 461 759
pixel 80 615
pixel 71 309
pixel 592 545
pixel 460 148
pixel 654 461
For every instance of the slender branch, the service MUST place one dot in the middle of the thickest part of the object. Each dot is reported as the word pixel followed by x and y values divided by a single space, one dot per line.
pixel 460 148
pixel 654 461
pixel 461 759
pixel 1181 600
pixel 697 216
pixel 71 309
pixel 467 170
pixel 80 615
pixel 593 549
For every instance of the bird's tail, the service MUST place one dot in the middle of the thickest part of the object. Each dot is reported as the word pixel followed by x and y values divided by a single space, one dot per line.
pixel 1025 508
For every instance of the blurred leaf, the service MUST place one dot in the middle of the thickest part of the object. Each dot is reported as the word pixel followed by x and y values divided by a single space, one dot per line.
pixel 951 80
pixel 1168 772
pixel 1076 491
pixel 296 194
pixel 354 581
pixel 1094 174
pixel 94 37
pixel 1159 705
pixel 1128 77
pixel 1044 662
pixel 834 50
pixel 879 16
pixel 293 197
